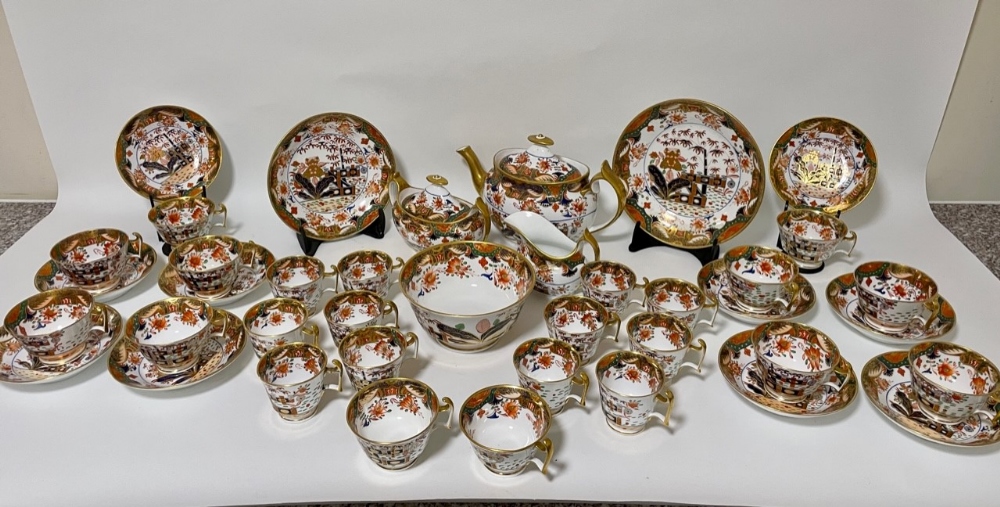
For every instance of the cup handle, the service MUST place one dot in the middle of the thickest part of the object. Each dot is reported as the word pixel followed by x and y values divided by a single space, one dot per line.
pixel 709 303
pixel 397 264
pixel 313 331
pixel 221 208
pixel 446 406
pixel 592 241
pixel 581 379
pixel 843 369
pixel 544 445
pixel 337 366
pixel 617 185
pixel 667 396
pixel 641 303
pixel 700 347
pixel 217 315
pixel 485 212
pixel 933 306
pixel 253 253
pixel 618 327
pixel 136 243
pixel 103 326
pixel 794 290
pixel 411 339
pixel 853 238
pixel 390 307
pixel 335 273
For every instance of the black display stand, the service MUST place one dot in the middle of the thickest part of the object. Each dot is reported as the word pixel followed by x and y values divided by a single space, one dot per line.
pixel 166 248
pixel 309 245
pixel 807 271
pixel 642 240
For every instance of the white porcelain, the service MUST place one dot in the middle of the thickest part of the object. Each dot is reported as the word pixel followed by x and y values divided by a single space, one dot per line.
pixel 253 265
pixel 953 383
pixel 667 340
pixel 376 353
pixel 713 281
pixel 557 259
pixel 94 259
pixel 55 326
pixel 507 425
pixel 551 368
pixel 300 277
pixel 811 236
pixel 368 270
pixel 182 218
pixel 609 282
pixel 208 265
pixel 895 297
pixel 432 215
pixel 171 333
pixel 138 264
pixel 294 377
pixel 679 298
pixel 761 278
pixel 631 384
pixel 355 309
pixel 278 321
pixel 581 322
pixel 794 359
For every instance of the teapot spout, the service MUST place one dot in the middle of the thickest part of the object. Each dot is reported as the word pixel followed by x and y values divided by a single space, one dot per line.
pixel 476 168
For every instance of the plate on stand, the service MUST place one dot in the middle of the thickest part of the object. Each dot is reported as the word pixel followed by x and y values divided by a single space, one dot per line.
pixel 712 280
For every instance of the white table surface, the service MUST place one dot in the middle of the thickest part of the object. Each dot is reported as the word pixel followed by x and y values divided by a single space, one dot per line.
pixel 433 77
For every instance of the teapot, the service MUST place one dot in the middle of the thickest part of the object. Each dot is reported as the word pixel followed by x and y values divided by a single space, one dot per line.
pixel 431 215
pixel 535 179
pixel 557 258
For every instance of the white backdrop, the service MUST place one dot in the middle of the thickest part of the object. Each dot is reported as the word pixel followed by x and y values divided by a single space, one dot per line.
pixel 434 76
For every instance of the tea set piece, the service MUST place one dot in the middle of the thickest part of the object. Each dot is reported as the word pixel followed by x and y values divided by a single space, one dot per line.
pixel 393 419
pixel 810 237
pixel 551 368
pixel 739 366
pixel 355 309
pixel 842 294
pixel 294 378
pixel 609 282
pixel 252 266
pixel 138 264
pixel 582 322
pixel 168 151
pixel 329 176
pixel 693 174
pixel 369 270
pixel 94 260
pixel 557 259
pixel 300 277
pixel 226 338
pixel 56 327
pixel 507 425
pixel 665 339
pixel 631 384
pixel 467 294
pixel 535 179
pixel 823 163
pixel 375 353
pixel 432 215
pixel 179 219
pixel 278 321
pixel 19 366
pixel 888 383
pixel 713 279
pixel 680 298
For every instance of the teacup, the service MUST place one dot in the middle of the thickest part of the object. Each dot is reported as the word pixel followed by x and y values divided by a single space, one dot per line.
pixel 813 236
pixel 582 322
pixel 376 353
pixel 171 333
pixel 630 385
pixel 367 270
pixel 294 377
pixel 893 297
pixel 609 282
pixel 761 278
pixel 355 309
pixel 278 321
pixel 550 368
pixel 393 418
pixel 182 218
pixel 953 383
pixel 94 259
pixel 55 326
pixel 506 425
pixel 300 277
pixel 794 359
pixel 679 298
pixel 665 338
pixel 208 265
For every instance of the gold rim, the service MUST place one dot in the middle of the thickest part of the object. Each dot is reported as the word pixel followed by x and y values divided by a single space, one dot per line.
pixel 629 353
pixel 249 315
pixel 675 282
pixel 435 409
pixel 573 353
pixel 147 259
pixel 799 213
pixel 262 362
pixel 181 202
pixel 653 316
pixel 535 397
pixel 272 268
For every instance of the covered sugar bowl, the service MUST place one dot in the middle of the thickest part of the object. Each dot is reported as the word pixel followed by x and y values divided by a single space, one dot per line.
pixel 431 216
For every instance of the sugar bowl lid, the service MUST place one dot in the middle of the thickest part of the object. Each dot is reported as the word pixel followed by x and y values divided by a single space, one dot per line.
pixel 537 163
pixel 435 202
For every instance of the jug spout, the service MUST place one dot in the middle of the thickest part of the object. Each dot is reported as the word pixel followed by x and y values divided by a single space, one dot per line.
pixel 476 168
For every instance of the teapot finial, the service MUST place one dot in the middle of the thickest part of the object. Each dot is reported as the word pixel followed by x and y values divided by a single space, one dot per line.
pixel 541 140
pixel 437 179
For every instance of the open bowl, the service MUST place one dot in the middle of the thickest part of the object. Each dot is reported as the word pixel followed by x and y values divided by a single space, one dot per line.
pixel 467 294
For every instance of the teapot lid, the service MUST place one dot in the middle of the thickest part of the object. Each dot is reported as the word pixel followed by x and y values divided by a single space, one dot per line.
pixel 538 163
pixel 435 202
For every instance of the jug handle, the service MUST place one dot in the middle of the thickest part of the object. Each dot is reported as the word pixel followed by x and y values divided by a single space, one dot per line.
pixel 617 185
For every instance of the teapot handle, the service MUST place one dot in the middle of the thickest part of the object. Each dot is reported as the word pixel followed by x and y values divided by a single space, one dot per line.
pixel 401 185
pixel 617 185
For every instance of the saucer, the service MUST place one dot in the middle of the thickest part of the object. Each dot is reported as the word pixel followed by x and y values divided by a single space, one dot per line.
pixel 738 363
pixel 255 259
pixel 49 276
pixel 886 381
pixel 712 280
pixel 17 366
pixel 843 297
pixel 131 368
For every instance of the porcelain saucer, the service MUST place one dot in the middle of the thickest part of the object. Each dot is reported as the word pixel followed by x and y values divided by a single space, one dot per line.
pixel 255 260
pixel 738 363
pixel 18 367
pixel 886 381
pixel 137 267
pixel 712 280
pixel 843 297
pixel 131 368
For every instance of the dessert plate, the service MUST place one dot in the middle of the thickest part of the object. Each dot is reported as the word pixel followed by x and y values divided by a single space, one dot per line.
pixel 137 266
pixel 738 363
pixel 823 163
pixel 168 151
pixel 255 259
pixel 18 367
pixel 886 381
pixel 712 280
pixel 330 176
pixel 692 171
pixel 131 368
pixel 843 297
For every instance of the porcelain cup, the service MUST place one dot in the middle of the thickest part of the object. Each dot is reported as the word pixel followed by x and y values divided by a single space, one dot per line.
pixel 55 326
pixel 367 270
pixel 631 384
pixel 355 309
pixel 393 418
pixel 551 368
pixel 953 383
pixel 679 298
pixel 895 297
pixel 94 259
pixel 795 360
pixel 813 236
pixel 667 340
pixel 609 282
pixel 581 322
pixel 507 425
pixel 182 218
pixel 171 333
pixel 376 353
pixel 208 265
pixel 278 321
pixel 294 377
pixel 300 277
pixel 761 278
